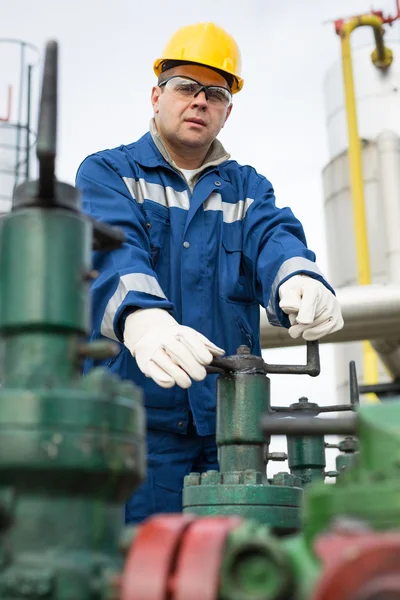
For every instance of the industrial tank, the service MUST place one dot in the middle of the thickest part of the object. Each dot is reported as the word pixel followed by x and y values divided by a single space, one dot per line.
pixel 378 100
pixel 18 60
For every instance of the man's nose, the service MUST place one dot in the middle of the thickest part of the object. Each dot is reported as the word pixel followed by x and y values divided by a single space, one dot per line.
pixel 200 101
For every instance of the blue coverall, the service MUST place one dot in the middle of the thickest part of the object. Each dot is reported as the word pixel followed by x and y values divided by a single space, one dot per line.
pixel 210 255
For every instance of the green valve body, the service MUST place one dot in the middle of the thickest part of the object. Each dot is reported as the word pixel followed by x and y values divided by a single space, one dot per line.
pixel 306 454
pixel 306 457
pixel 369 489
pixel 71 449
pixel 255 566
pixel 241 486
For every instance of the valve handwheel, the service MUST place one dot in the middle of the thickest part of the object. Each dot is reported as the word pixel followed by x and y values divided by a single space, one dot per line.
pixel 176 557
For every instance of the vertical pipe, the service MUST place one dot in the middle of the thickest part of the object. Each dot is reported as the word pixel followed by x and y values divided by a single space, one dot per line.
pixel 381 58
pixel 380 46
pixel 357 192
pixel 241 400
pixel 355 163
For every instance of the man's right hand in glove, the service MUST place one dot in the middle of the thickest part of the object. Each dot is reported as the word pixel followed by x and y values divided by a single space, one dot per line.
pixel 169 353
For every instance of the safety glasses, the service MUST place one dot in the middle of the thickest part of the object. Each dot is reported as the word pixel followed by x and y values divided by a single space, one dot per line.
pixel 190 88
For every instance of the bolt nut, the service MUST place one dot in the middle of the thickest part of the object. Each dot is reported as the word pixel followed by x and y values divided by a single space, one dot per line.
pixel 192 479
pixel 349 444
pixel 252 477
pixel 231 478
pixel 210 478
pixel 303 405
pixel 286 479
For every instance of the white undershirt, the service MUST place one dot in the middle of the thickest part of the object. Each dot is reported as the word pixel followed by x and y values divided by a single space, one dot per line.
pixel 188 173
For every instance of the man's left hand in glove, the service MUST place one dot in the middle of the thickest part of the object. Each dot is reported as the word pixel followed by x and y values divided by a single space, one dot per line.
pixel 313 310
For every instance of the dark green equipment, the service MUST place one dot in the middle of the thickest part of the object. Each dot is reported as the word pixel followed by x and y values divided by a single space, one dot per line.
pixel 71 449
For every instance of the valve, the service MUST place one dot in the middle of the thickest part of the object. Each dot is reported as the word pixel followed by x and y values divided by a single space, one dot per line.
pixel 347 449
pixel 241 486
pixel 349 445
pixel 307 424
pixel 244 362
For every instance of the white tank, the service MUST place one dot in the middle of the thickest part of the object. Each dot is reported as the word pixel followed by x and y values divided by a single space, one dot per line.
pixel 378 111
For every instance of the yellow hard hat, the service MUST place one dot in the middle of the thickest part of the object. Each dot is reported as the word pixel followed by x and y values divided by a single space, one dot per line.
pixel 205 44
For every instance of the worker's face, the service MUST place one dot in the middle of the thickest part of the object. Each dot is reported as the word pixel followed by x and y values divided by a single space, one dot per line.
pixel 190 121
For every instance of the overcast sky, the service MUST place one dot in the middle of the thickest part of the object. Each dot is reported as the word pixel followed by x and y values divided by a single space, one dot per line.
pixel 278 122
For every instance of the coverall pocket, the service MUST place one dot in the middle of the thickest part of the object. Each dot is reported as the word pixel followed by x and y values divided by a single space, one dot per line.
pixel 157 226
pixel 237 321
pixel 235 274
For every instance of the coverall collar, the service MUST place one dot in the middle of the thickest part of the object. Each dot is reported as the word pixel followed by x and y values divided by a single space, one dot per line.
pixel 215 156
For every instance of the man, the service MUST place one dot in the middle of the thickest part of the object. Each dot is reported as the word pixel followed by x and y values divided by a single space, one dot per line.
pixel 205 246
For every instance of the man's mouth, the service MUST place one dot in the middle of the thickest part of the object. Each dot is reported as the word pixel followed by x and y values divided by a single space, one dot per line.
pixel 196 121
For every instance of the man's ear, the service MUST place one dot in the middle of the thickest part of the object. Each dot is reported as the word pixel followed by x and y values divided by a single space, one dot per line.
pixel 228 112
pixel 155 95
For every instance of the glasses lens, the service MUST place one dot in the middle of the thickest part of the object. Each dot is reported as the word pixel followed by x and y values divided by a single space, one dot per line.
pixel 219 95
pixel 184 87
pixel 189 88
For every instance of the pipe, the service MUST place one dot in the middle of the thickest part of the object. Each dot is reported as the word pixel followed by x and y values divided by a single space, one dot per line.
pixel 382 58
pixel 370 312
pixel 355 157
pixel 389 353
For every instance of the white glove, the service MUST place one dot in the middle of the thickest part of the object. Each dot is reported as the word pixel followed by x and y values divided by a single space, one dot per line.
pixel 167 352
pixel 313 310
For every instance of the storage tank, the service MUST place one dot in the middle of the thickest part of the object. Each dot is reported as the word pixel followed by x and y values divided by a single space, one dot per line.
pixel 17 58
pixel 378 112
